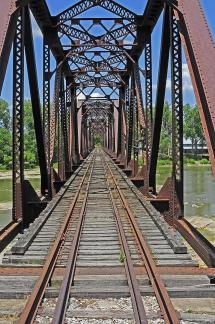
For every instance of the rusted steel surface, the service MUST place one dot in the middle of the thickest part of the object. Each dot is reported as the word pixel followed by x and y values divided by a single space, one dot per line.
pixel 33 302
pixel 98 93
pixel 110 62
pixel 85 262
pixel 199 243
pixel 164 301
pixel 200 54
pixel 8 17
pixel 64 293
pixel 8 233
pixel 139 270
pixel 138 306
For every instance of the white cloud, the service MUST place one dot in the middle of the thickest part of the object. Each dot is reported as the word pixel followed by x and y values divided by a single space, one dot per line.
pixel 35 28
pixel 96 95
pixel 81 96
pixel 168 84
pixel 187 83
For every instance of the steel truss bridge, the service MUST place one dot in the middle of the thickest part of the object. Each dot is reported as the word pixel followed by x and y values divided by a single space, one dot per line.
pixel 112 58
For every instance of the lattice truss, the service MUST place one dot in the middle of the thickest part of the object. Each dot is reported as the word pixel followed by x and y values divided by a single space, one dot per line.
pixel 96 47
pixel 98 115
pixel 98 79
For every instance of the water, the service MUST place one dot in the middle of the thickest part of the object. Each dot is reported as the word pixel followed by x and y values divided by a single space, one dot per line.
pixel 199 192
pixel 6 198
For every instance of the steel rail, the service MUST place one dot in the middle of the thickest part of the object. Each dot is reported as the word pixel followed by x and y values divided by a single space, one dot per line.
pixel 64 293
pixel 163 299
pixel 30 310
pixel 137 302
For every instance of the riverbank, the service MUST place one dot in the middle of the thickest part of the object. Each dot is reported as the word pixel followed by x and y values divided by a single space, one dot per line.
pixel 187 162
pixel 199 191
pixel 206 226
pixel 33 173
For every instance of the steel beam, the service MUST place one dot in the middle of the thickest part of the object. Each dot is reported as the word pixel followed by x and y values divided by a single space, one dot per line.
pixel 63 110
pixel 18 119
pixel 8 22
pixel 35 100
pixel 200 53
pixel 131 120
pixel 148 98
pixel 160 97
pixel 177 118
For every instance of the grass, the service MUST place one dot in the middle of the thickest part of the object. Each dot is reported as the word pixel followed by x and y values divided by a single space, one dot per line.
pixel 189 311
pixel 204 161
pixel 208 233
pixel 122 257
pixel 164 162
pixel 187 161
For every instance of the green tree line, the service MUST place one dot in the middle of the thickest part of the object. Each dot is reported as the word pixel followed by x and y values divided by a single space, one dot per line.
pixel 30 156
pixel 192 131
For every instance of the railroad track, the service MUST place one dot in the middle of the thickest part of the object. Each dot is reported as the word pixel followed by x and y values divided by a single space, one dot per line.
pixel 102 236
pixel 75 216
pixel 125 225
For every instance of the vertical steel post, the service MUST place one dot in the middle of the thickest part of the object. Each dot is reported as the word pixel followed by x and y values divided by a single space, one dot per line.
pixel 131 120
pixel 113 129
pixel 18 119
pixel 160 97
pixel 64 115
pixel 83 132
pixel 148 96
pixel 136 125
pixel 69 122
pixel 61 164
pixel 75 110
pixel 120 122
pixel 46 109
pixel 35 101
pixel 177 117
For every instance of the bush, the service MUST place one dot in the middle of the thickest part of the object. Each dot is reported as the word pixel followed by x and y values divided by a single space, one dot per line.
pixel 204 161
pixel 8 162
pixel 30 161
pixel 2 167
pixel 140 162
pixel 189 161
pixel 164 162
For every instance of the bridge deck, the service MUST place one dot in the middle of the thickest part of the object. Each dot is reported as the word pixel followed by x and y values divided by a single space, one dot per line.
pixel 100 264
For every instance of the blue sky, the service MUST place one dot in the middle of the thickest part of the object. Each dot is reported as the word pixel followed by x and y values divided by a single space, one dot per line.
pixel 138 7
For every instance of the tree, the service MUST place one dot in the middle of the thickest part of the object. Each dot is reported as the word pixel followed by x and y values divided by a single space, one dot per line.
pixel 5 135
pixel 166 131
pixel 29 136
pixel 97 140
pixel 5 147
pixel 30 151
pixel 5 119
pixel 193 127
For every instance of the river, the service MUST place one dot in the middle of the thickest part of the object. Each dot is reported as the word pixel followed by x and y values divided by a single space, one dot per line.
pixel 198 196
pixel 6 198
pixel 199 190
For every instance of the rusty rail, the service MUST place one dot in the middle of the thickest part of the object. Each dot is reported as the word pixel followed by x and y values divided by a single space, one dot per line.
pixel 198 242
pixel 29 312
pixel 60 309
pixel 164 301
pixel 138 307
